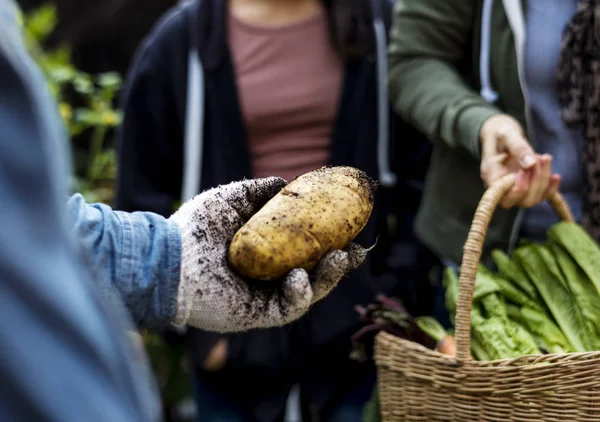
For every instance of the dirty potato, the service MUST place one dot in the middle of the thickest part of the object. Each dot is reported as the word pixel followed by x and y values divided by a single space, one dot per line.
pixel 314 214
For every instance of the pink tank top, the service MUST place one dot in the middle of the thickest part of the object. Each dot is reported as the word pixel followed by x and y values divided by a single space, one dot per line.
pixel 289 81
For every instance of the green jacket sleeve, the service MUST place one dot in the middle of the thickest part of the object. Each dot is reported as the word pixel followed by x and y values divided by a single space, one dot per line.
pixel 428 40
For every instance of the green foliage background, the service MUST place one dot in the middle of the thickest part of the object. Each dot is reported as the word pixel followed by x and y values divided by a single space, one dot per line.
pixel 87 106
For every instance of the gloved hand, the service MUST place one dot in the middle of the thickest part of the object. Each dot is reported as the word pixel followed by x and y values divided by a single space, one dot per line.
pixel 212 296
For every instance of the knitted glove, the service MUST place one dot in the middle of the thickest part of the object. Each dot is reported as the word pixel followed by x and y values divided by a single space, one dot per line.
pixel 212 296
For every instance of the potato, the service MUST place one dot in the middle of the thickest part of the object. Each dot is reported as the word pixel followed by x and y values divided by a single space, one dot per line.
pixel 314 214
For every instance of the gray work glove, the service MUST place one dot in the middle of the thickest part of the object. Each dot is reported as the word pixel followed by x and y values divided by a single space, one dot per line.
pixel 214 298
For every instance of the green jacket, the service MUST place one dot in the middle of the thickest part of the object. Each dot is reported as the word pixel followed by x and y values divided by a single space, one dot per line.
pixel 440 72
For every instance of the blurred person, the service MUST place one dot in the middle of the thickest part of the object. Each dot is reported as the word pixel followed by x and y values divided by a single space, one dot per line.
pixel 500 87
pixel 75 277
pixel 289 86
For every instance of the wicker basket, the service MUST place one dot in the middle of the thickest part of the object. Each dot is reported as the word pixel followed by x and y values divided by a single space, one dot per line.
pixel 419 384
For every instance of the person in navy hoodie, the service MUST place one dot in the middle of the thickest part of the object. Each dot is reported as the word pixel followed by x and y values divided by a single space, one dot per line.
pixel 227 90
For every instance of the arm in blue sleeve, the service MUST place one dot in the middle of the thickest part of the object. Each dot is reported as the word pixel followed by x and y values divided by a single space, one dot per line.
pixel 150 138
pixel 137 253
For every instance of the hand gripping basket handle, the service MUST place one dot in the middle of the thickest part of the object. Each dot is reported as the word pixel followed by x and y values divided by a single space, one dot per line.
pixel 472 254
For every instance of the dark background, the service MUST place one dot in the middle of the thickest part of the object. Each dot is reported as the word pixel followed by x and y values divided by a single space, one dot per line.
pixel 103 35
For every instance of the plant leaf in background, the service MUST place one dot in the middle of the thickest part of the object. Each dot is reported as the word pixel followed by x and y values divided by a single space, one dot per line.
pixel 91 124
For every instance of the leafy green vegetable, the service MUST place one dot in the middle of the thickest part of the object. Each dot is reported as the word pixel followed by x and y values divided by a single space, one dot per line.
pixel 502 338
pixel 580 246
pixel 514 312
pixel 483 287
pixel 477 317
pixel 550 261
pixel 558 299
pixel 493 306
pixel 584 293
pixel 508 290
pixel 431 327
pixel 514 294
pixel 484 284
pixel 511 270
pixel 524 342
pixel 494 338
pixel 450 282
pixel 478 351
pixel 544 327
pixel 546 333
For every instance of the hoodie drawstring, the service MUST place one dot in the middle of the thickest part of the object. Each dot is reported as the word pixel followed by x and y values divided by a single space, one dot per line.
pixel 487 92
pixel 386 177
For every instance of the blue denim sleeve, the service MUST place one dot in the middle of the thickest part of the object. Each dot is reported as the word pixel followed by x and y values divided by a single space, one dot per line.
pixel 138 254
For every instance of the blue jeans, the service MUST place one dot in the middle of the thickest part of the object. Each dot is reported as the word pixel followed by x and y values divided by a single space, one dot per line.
pixel 215 407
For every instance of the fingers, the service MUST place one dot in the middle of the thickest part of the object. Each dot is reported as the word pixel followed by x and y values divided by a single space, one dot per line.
pixel 553 186
pixel 502 132
pixel 518 192
pixel 297 293
pixel 533 186
pixel 493 168
pixel 517 146
pixel 356 255
pixel 286 304
pixel 332 268
pixel 266 307
pixel 505 150
pixel 539 177
pixel 248 196
pixel 295 299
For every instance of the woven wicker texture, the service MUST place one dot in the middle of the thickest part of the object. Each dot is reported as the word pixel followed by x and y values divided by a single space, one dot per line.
pixel 419 384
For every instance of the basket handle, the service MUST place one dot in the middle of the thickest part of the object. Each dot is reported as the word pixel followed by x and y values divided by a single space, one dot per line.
pixel 472 254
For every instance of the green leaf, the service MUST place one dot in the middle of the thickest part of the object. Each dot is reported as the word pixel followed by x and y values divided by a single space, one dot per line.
pixel 109 80
pixel 110 118
pixel 83 84
pixel 41 22
pixel 431 327
pixel 511 270
pixel 582 248
pixel 535 259
pixel 583 290
pixel 62 74
pixel 87 116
